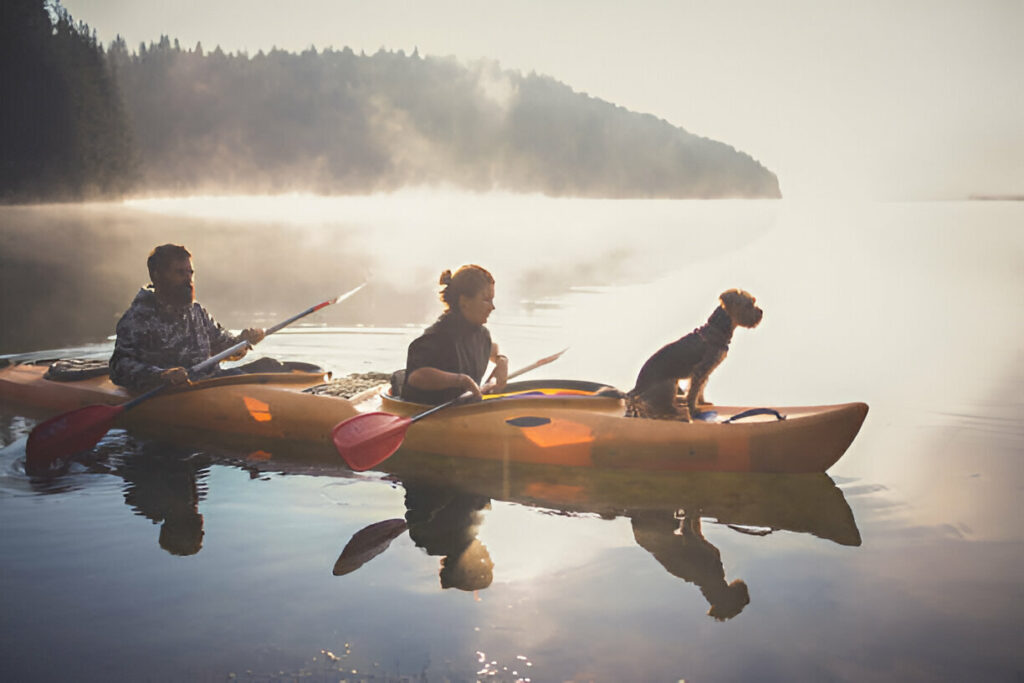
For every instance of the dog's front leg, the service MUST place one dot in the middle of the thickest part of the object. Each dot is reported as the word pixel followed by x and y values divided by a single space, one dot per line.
pixel 696 393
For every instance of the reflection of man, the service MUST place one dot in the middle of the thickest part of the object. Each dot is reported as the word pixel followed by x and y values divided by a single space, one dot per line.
pixel 443 521
pixel 684 552
pixel 162 486
pixel 165 330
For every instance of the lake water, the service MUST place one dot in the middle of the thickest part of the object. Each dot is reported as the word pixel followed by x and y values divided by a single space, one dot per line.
pixel 162 561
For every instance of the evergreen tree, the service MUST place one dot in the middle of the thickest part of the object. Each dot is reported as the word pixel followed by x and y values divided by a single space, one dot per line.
pixel 63 131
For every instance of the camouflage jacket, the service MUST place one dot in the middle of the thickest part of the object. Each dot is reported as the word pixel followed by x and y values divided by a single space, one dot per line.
pixel 153 336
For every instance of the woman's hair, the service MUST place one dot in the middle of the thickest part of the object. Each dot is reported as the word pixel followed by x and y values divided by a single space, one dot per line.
pixel 467 281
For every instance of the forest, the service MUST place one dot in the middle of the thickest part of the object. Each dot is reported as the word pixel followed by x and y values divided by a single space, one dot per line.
pixel 167 120
pixel 64 133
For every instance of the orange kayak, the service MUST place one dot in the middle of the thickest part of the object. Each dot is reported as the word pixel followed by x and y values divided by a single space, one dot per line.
pixel 552 422
pixel 539 423
pixel 255 408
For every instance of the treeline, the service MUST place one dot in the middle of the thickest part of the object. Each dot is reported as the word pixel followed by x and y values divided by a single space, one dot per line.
pixel 63 130
pixel 337 122
pixel 340 122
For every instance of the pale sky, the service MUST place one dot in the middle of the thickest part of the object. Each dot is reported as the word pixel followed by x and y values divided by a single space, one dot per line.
pixel 887 99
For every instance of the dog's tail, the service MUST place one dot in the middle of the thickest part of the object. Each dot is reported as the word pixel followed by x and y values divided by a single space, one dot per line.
pixel 610 392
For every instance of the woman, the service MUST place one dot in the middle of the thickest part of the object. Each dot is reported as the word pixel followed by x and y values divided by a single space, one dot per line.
pixel 450 357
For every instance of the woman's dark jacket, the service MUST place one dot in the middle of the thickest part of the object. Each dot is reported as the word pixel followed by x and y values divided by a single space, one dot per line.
pixel 452 344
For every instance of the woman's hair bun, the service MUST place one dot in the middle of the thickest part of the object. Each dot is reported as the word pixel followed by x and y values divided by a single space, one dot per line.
pixel 446 278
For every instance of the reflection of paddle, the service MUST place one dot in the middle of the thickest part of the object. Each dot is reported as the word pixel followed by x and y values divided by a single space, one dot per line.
pixel 60 437
pixel 368 543
pixel 367 440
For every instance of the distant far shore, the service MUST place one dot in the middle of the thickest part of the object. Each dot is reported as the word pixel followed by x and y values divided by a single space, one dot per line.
pixel 997 197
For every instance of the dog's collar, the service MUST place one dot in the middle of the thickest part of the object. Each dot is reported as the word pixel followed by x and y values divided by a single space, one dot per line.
pixel 712 331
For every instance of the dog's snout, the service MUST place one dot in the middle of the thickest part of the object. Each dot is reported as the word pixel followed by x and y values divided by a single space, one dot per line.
pixel 754 319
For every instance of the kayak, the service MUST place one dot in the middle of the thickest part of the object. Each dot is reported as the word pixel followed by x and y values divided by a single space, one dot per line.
pixel 255 408
pixel 567 424
pixel 552 422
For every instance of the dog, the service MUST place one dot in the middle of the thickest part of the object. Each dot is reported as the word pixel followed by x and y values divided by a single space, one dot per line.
pixel 693 357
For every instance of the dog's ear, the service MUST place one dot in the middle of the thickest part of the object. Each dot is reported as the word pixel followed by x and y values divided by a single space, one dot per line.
pixel 732 297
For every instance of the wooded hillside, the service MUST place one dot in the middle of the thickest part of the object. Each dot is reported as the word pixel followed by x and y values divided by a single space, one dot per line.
pixel 161 119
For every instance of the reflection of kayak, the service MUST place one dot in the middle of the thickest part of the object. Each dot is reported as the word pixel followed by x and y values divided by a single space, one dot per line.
pixel 551 422
pixel 803 503
pixel 576 428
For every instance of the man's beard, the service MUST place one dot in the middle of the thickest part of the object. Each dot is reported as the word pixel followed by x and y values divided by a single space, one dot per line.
pixel 183 295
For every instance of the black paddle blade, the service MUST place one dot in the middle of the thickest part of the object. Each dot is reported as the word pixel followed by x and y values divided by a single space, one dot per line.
pixel 53 442
pixel 368 543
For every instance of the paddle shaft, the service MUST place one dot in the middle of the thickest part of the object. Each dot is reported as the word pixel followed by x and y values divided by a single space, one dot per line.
pixel 467 394
pixel 236 348
pixel 367 393
pixel 512 375
pixel 536 364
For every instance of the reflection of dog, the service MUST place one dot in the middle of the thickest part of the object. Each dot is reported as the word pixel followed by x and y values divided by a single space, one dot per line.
pixel 684 552
pixel 692 357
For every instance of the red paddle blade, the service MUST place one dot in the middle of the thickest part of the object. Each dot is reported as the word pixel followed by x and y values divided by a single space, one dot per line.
pixel 367 440
pixel 53 442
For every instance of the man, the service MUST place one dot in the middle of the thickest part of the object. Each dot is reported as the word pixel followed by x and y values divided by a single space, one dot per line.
pixel 165 331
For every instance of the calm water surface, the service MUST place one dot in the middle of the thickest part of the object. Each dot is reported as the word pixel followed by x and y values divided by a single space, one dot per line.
pixel 184 561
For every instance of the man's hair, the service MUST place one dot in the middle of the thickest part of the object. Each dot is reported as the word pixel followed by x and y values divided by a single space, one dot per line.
pixel 164 255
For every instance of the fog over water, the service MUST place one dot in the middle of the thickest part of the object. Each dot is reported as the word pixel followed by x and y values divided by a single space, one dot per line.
pixel 264 257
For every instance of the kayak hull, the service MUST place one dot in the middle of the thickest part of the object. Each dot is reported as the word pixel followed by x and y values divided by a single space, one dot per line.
pixel 559 423
pixel 592 432
pixel 250 409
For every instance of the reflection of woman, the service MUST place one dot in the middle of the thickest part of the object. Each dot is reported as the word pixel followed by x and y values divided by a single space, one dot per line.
pixel 450 357
pixel 444 522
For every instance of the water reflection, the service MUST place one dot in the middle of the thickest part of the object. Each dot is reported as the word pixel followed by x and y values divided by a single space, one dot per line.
pixel 444 521
pixel 162 482
pixel 165 485
pixel 441 520
pixel 804 503
pixel 446 505
pixel 681 548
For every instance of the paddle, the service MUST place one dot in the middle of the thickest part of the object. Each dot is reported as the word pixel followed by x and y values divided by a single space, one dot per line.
pixel 368 543
pixel 367 440
pixel 57 439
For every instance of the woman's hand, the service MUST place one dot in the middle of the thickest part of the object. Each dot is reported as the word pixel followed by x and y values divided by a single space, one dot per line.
pixel 433 379
pixel 467 383
pixel 499 376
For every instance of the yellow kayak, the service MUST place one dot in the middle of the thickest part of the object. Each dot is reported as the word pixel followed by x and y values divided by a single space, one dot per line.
pixel 553 422
pixel 251 409
pixel 565 423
